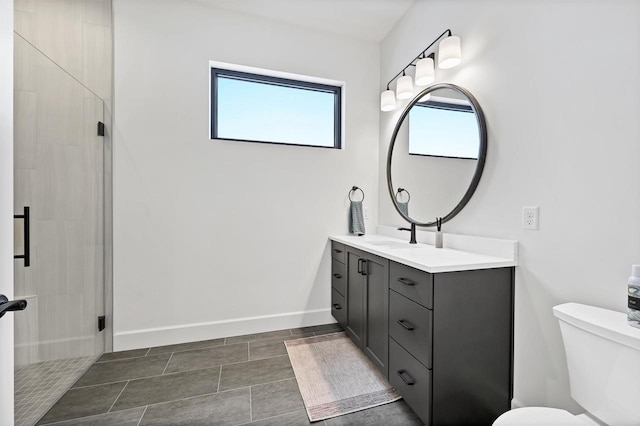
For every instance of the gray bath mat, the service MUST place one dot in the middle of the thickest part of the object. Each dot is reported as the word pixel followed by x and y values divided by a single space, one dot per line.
pixel 335 377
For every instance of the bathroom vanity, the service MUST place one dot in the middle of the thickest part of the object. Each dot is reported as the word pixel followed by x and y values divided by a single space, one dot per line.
pixel 438 323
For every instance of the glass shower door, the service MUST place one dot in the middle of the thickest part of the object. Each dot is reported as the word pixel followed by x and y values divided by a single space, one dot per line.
pixel 59 175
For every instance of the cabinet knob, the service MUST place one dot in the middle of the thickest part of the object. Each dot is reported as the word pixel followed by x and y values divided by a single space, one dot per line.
pixel 406 324
pixel 406 377
pixel 406 281
pixel 337 307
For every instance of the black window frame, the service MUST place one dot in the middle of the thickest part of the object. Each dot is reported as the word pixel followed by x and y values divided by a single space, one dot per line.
pixel 276 81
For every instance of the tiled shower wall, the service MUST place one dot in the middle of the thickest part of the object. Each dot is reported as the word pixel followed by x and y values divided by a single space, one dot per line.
pixel 75 34
pixel 62 172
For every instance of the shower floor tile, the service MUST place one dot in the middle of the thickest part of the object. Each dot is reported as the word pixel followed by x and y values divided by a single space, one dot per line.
pixel 38 386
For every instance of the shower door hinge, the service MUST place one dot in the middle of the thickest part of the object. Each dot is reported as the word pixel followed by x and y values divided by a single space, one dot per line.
pixel 100 128
pixel 102 323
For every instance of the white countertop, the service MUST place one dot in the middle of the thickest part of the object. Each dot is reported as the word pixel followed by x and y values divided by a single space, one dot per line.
pixel 421 256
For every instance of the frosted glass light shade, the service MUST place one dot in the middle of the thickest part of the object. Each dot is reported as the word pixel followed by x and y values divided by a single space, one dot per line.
pixel 425 72
pixel 388 100
pixel 404 87
pixel 449 52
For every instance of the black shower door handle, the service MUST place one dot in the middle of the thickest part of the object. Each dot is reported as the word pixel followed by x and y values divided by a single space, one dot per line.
pixel 14 305
pixel 27 246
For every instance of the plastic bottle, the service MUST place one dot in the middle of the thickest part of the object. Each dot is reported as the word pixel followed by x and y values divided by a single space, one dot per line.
pixel 633 307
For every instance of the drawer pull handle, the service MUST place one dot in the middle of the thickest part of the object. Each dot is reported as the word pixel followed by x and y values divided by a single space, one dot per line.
pixel 337 250
pixel 407 325
pixel 337 307
pixel 362 267
pixel 406 377
pixel 406 281
pixel 338 276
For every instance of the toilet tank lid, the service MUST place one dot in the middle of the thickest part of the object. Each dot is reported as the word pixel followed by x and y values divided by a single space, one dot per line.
pixel 608 324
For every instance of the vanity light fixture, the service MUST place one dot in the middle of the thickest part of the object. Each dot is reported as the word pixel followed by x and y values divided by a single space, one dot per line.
pixel 449 52
pixel 404 87
pixel 388 100
pixel 449 55
pixel 425 71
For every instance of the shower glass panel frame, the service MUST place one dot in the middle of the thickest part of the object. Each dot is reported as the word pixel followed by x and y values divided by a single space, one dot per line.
pixel 59 172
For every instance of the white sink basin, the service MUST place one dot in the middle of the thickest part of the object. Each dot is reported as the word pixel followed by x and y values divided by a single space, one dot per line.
pixel 394 245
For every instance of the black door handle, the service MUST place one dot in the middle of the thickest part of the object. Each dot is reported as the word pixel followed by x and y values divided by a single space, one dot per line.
pixel 14 305
pixel 27 246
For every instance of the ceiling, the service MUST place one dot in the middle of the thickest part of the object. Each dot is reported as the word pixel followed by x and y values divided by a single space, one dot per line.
pixel 362 19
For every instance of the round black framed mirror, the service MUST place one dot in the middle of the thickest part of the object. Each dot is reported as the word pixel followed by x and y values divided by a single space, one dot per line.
pixel 437 154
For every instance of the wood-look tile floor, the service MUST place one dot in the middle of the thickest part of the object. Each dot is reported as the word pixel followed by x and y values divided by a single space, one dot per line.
pixel 233 381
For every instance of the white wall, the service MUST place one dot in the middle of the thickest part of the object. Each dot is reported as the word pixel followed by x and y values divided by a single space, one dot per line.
pixel 6 208
pixel 209 235
pixel 560 138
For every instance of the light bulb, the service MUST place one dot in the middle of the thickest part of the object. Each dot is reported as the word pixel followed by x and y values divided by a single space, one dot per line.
pixel 404 87
pixel 425 73
pixel 387 100
pixel 449 52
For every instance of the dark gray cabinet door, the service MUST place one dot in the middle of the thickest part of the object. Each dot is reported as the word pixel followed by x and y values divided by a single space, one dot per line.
pixel 376 342
pixel 367 302
pixel 472 346
pixel 355 298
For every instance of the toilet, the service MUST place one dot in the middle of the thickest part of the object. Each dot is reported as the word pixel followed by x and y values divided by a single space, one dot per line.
pixel 603 356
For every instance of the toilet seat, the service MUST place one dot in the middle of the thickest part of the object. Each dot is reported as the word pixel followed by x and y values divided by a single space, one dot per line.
pixel 538 416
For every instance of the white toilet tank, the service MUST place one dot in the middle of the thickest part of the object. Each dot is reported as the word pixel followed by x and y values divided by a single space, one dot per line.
pixel 603 356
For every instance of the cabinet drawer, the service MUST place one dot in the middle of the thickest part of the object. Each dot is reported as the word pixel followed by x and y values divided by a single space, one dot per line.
pixel 338 307
pixel 411 326
pixel 338 278
pixel 410 282
pixel 338 252
pixel 411 379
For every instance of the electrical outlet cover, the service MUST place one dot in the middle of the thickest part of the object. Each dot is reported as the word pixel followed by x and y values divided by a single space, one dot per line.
pixel 530 218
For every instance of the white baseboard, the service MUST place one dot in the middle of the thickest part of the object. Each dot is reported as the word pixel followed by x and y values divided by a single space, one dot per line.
pixel 150 337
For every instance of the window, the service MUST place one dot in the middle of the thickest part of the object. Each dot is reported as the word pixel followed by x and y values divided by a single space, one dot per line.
pixel 251 107
pixel 442 129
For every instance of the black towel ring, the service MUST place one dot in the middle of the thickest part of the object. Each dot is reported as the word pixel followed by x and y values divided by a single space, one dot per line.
pixel 403 190
pixel 354 189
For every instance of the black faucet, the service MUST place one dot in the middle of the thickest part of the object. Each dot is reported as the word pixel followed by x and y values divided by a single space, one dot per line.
pixel 413 233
